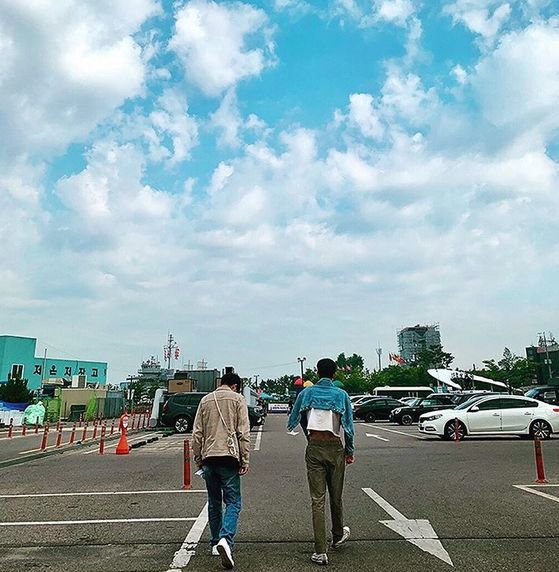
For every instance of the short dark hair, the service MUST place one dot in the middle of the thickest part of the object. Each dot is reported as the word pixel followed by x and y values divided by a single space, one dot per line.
pixel 231 379
pixel 326 367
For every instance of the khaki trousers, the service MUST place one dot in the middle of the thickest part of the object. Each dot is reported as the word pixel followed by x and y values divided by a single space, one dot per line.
pixel 326 469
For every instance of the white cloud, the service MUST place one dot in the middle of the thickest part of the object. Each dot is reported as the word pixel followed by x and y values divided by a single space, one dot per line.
pixel 171 120
pixel 56 87
pixel 483 17
pixel 228 121
pixel 460 74
pixel 214 42
pixel 364 116
pixel 519 81
pixel 396 11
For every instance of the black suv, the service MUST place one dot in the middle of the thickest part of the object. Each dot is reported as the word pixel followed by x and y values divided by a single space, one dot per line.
pixel 375 408
pixel 180 409
pixel 406 415
pixel 547 393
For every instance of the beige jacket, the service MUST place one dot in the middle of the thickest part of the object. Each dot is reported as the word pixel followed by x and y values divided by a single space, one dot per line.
pixel 209 435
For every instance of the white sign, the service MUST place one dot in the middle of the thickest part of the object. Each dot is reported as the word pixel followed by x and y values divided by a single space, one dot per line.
pixel 278 408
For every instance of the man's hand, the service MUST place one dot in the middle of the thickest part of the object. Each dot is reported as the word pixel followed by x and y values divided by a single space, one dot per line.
pixel 349 459
pixel 243 471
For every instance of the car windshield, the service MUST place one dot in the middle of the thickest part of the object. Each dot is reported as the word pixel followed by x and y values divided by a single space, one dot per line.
pixel 533 393
pixel 414 402
pixel 470 401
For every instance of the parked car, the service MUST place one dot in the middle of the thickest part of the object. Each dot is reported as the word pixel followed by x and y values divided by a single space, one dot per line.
pixel 407 400
pixel 547 393
pixel 375 409
pixel 180 409
pixel 493 415
pixel 409 414
pixel 358 399
pixel 458 397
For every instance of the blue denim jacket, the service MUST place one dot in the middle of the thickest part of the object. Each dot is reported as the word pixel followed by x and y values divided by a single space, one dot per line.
pixel 324 395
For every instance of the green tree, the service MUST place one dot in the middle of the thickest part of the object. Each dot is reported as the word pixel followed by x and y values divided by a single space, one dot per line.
pixel 281 385
pixel 511 369
pixel 351 362
pixel 434 357
pixel 15 391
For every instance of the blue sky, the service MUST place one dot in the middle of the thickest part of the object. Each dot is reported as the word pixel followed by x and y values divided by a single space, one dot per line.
pixel 278 178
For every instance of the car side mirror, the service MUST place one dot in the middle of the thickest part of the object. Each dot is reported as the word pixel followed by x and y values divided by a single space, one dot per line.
pixel 474 409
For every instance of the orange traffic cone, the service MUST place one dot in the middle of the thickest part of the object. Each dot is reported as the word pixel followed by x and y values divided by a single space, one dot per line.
pixel 123 448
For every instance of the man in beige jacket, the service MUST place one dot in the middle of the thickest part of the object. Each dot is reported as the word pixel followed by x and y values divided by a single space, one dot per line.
pixel 221 446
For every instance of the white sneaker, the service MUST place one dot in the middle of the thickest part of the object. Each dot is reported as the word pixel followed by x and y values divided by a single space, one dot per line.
pixel 225 552
pixel 215 551
pixel 345 536
pixel 321 559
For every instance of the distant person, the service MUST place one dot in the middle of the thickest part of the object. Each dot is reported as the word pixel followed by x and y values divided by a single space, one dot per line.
pixel 221 445
pixel 323 411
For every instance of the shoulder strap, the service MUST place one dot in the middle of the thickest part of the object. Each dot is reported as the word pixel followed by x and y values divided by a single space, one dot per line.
pixel 220 414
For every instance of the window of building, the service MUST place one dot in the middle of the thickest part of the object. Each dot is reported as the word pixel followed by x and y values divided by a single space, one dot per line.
pixel 17 371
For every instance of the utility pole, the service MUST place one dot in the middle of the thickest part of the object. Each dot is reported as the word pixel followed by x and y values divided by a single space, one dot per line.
pixel 171 348
pixel 547 359
pixel 301 360
pixel 256 376
pixel 379 353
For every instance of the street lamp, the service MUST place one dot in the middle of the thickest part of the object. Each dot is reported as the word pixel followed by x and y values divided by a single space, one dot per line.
pixel 301 360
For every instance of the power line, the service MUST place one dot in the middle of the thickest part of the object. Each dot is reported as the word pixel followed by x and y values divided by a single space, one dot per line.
pixel 272 366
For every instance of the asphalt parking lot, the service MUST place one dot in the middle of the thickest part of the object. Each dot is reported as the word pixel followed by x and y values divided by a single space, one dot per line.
pixel 413 503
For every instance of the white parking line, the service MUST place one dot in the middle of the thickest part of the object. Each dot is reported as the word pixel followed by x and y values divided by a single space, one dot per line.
pixel 258 439
pixel 188 549
pixel 100 493
pixel 398 432
pixel 101 521
pixel 529 489
pixel 376 437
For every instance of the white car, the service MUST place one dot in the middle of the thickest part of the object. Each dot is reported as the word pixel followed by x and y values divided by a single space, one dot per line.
pixel 493 415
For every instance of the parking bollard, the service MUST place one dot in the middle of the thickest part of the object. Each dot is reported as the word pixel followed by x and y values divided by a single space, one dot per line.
pixel 102 440
pixel 81 418
pixel 84 434
pixel 59 435
pixel 11 429
pixel 112 426
pixel 95 423
pixel 73 434
pixel 45 437
pixel 186 484
pixel 540 467
pixel 24 429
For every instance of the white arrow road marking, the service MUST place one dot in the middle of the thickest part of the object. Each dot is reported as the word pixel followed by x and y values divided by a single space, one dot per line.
pixel 376 437
pixel 418 532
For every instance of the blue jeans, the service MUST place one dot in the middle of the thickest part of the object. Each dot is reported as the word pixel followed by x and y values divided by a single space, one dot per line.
pixel 224 486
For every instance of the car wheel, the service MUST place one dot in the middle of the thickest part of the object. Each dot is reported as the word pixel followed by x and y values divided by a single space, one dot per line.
pixel 370 418
pixel 452 432
pixel 540 430
pixel 182 424
pixel 406 420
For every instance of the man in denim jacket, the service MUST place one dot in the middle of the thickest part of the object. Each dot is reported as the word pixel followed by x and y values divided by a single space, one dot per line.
pixel 323 411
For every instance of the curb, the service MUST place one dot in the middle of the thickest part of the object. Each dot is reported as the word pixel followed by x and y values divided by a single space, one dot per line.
pixel 65 449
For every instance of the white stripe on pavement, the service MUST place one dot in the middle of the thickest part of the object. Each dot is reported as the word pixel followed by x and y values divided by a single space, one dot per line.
pixel 188 549
pixel 397 432
pixel 102 521
pixel 528 489
pixel 376 437
pixel 100 493
pixel 258 439
pixel 384 504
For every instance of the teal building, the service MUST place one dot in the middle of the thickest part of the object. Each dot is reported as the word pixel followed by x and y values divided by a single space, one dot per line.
pixel 17 358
